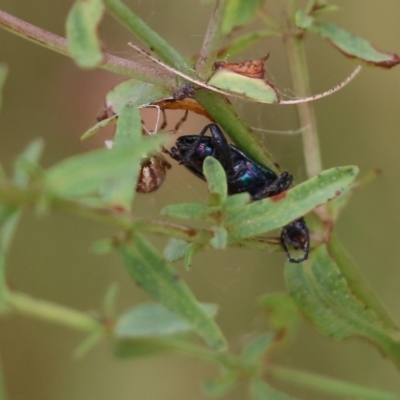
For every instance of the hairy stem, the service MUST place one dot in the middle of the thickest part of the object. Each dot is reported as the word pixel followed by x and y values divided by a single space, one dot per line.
pixel 328 385
pixel 111 63
pixel 51 312
pixel 301 85
pixel 212 41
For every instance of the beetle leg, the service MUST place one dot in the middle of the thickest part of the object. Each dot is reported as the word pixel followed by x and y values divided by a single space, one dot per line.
pixel 279 185
pixel 189 154
pixel 222 150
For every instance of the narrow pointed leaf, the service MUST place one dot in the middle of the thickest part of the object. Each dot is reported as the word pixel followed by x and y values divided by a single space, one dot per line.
pixel 354 46
pixel 122 189
pixel 32 154
pixel 84 174
pixel 133 91
pixel 90 342
pixel 83 41
pixel 221 385
pixel 283 315
pixel 255 349
pixel 151 319
pixel 265 215
pixel 156 277
pixel 100 125
pixel 216 177
pixel 141 347
pixel 253 88
pixel 323 294
pixel 176 249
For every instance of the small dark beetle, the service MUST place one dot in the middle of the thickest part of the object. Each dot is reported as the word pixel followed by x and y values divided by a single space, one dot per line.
pixel 243 175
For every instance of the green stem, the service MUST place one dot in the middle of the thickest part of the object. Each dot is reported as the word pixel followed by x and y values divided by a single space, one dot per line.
pixel 222 111
pixel 3 392
pixel 329 385
pixel 111 63
pixel 51 312
pixel 152 39
pixel 301 85
pixel 212 41
pixel 19 197
pixel 203 353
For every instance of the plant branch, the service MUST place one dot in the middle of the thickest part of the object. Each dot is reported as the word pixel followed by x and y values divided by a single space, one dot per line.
pixel 151 38
pixel 51 312
pixel 212 41
pixel 328 385
pixel 110 63
pixel 301 84
pixel 20 197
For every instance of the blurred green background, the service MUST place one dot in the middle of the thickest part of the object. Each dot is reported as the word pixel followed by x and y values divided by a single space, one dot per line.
pixel 47 96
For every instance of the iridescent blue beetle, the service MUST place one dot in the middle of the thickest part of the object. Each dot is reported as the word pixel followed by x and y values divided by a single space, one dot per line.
pixel 243 175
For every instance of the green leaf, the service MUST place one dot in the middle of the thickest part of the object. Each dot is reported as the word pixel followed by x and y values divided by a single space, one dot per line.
pixel 195 248
pixel 238 13
pixel 265 215
pixel 176 249
pixel 356 281
pixel 216 177
pixel 283 315
pixel 32 155
pixel 103 246
pixel 84 174
pixel 260 390
pixel 255 349
pixel 253 88
pixel 156 277
pixel 91 341
pixel 354 46
pixel 152 319
pixel 129 126
pixel 221 385
pixel 10 216
pixel 100 125
pixel 82 24
pixel 134 348
pixel 122 189
pixel 133 91
pixel 236 202
pixel 303 20
pixel 186 211
pixel 220 237
pixel 3 76
pixel 110 300
pixel 323 294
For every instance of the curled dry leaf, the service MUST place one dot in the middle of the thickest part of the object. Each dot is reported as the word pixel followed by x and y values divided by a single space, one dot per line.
pixel 250 68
